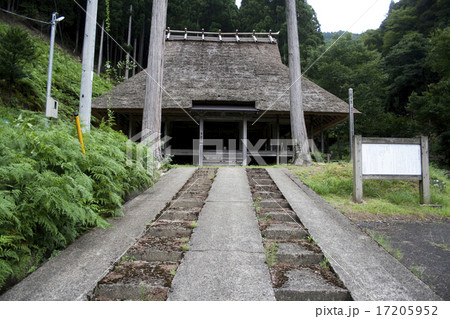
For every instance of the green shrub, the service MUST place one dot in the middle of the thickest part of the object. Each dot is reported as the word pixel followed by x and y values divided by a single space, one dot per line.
pixel 50 192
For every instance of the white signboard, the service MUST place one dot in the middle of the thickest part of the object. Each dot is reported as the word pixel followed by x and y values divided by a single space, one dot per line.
pixel 391 159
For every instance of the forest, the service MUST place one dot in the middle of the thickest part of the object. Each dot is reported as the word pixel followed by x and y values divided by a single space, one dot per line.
pixel 400 72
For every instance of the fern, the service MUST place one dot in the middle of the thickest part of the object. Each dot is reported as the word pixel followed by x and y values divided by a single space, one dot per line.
pixel 50 192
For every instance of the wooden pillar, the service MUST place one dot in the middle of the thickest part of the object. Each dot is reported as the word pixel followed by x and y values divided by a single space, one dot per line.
pixel 130 126
pixel 244 142
pixel 322 144
pixel 424 184
pixel 357 170
pixel 298 128
pixel 151 119
pixel 277 128
pixel 200 145
pixel 352 128
pixel 322 140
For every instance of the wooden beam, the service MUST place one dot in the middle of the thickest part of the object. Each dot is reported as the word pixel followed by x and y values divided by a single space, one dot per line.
pixel 151 119
pixel 298 127
pixel 393 140
pixel 424 184
pixel 357 170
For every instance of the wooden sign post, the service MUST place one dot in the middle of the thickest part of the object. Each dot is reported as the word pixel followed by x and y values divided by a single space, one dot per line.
pixel 391 159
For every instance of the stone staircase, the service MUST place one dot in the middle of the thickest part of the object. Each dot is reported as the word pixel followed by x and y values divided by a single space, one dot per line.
pixel 298 268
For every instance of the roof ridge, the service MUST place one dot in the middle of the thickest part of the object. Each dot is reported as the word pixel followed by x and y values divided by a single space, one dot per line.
pixel 185 35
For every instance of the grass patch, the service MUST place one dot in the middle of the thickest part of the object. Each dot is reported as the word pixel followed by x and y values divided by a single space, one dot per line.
pixel 386 244
pixel 334 182
pixel 442 246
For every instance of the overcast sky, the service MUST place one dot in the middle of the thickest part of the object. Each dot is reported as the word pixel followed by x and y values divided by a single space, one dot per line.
pixel 355 16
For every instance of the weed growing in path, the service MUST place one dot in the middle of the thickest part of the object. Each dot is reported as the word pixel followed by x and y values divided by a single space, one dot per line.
pixel 384 242
pixel 257 204
pixel 324 264
pixel 270 252
pixel 418 271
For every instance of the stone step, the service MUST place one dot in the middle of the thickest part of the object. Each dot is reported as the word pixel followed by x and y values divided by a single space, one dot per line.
pixel 267 195
pixel 264 188
pixel 281 216
pixel 306 285
pixel 261 182
pixel 163 229
pixel 136 280
pixel 196 187
pixel 194 192
pixel 181 214
pixel 187 203
pixel 156 255
pixel 158 249
pixel 296 254
pixel 284 231
pixel 273 203
pixel 259 176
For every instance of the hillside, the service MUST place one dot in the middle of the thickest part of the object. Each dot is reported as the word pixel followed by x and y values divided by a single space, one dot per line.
pixel 50 192
pixel 30 92
pixel 328 36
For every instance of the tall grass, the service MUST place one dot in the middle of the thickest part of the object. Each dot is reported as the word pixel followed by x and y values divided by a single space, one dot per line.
pixel 335 183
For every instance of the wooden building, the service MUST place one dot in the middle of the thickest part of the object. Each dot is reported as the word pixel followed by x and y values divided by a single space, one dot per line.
pixel 227 87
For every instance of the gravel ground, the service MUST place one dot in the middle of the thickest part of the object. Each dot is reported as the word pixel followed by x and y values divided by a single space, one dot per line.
pixel 425 248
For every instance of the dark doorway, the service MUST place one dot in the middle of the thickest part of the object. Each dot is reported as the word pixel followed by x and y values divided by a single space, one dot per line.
pixel 224 131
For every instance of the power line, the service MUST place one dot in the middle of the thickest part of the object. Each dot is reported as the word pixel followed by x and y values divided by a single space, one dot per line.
pixel 24 17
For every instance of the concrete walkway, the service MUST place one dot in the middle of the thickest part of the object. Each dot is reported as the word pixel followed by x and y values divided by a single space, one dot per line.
pixel 74 273
pixel 226 258
pixel 368 271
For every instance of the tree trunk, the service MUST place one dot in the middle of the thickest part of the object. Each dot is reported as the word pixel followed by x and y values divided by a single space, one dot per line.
pixel 127 58
pixel 100 50
pixel 141 48
pixel 302 155
pixel 151 119
pixel 134 55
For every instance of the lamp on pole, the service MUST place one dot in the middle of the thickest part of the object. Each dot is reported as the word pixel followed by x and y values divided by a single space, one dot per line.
pixel 48 102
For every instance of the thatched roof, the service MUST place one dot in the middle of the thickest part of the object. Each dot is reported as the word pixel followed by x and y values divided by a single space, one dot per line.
pixel 222 71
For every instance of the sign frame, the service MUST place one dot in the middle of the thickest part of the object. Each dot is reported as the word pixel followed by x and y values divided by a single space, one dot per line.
pixel 359 177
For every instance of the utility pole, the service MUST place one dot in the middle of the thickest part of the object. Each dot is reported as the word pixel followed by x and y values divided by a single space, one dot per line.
pixel 100 50
pixel 151 119
pixel 48 104
pixel 128 42
pixel 302 155
pixel 352 126
pixel 87 68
